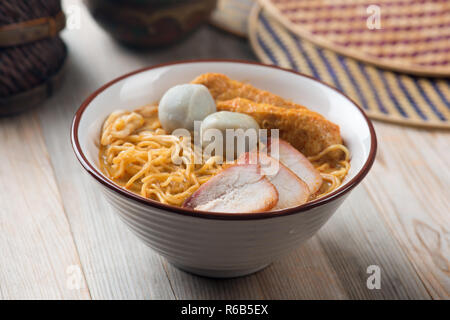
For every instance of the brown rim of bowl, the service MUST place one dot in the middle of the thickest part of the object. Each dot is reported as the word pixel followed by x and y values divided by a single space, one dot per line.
pixel 94 172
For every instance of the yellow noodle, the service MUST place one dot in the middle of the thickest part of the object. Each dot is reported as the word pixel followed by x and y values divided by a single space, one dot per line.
pixel 141 160
pixel 332 172
pixel 333 147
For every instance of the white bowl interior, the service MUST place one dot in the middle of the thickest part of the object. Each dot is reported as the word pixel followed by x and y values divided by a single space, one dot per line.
pixel 149 86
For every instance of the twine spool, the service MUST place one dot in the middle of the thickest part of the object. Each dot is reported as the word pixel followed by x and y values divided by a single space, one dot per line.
pixel 26 68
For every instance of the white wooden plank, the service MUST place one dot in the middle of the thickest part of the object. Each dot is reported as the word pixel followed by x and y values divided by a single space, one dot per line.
pixel 38 255
pixel 306 273
pixel 357 237
pixel 410 189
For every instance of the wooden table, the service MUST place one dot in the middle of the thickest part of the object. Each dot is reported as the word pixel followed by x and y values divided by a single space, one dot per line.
pixel 60 239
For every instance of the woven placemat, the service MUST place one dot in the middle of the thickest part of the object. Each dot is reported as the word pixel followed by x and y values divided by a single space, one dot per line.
pixel 410 36
pixel 383 94
pixel 232 16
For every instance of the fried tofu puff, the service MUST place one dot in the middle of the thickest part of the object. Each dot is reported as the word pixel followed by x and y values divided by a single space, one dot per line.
pixel 223 88
pixel 307 131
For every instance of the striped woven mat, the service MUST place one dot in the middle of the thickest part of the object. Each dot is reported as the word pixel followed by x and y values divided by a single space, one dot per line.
pixel 384 95
pixel 410 36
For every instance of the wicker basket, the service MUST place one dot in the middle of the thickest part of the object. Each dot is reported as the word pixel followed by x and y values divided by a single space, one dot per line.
pixel 31 52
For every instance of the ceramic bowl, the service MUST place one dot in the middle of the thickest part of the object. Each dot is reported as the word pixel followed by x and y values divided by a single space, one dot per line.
pixel 222 244
pixel 150 23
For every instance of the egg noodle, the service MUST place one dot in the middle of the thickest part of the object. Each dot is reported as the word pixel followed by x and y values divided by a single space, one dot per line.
pixel 137 154
pixel 332 172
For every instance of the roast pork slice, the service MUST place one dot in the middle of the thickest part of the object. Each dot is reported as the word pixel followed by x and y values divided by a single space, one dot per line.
pixel 297 163
pixel 292 191
pixel 237 189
